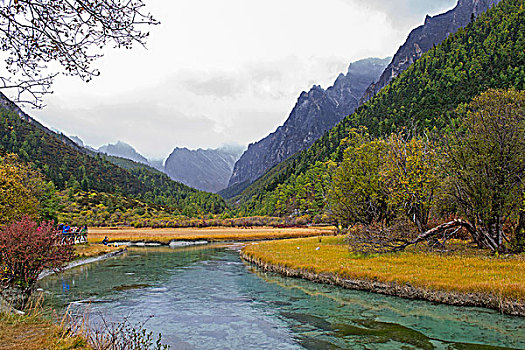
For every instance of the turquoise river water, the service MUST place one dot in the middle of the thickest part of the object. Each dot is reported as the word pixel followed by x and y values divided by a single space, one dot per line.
pixel 207 298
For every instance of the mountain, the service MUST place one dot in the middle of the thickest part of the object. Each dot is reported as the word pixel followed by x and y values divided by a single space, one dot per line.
pixel 487 54
pixel 423 38
pixel 77 140
pixel 70 166
pixel 208 170
pixel 315 112
pixel 157 164
pixel 123 150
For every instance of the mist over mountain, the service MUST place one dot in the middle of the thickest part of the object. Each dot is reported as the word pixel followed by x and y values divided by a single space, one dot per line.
pixel 316 112
pixel 207 170
pixel 122 149
pixel 77 140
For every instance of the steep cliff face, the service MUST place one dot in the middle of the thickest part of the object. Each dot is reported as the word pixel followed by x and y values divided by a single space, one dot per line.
pixel 316 112
pixel 423 38
pixel 123 150
pixel 208 170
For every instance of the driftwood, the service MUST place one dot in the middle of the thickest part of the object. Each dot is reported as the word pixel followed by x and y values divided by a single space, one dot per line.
pixel 445 230
pixel 367 240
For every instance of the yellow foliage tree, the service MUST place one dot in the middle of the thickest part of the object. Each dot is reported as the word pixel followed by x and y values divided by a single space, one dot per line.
pixel 411 177
pixel 16 196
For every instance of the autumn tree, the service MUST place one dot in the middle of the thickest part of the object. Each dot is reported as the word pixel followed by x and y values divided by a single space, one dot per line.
pixel 486 157
pixel 42 38
pixel 410 174
pixel 16 196
pixel 24 192
pixel 357 194
pixel 26 249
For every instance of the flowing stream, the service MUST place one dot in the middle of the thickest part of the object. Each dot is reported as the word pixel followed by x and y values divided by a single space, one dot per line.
pixel 207 298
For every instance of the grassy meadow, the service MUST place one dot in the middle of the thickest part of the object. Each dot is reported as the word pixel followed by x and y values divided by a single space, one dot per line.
pixel 212 234
pixel 467 270
pixel 93 250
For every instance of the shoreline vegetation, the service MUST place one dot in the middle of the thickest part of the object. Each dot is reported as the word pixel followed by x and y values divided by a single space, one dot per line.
pixel 32 331
pixel 463 277
pixel 165 236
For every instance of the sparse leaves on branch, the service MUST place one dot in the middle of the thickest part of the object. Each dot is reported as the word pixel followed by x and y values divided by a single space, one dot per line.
pixel 36 35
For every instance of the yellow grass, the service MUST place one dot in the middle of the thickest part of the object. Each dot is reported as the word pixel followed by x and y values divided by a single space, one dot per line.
pixel 93 250
pixel 456 272
pixel 213 234
pixel 34 333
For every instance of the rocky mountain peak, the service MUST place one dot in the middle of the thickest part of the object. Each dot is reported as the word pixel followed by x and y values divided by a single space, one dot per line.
pixel 315 112
pixel 423 38
pixel 123 150
pixel 204 169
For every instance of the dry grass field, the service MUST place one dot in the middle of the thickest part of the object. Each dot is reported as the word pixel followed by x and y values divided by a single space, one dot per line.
pixel 467 270
pixel 212 234
pixel 32 332
pixel 93 250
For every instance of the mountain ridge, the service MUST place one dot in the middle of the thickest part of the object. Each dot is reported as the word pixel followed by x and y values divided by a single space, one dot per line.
pixel 70 166
pixel 422 99
pixel 123 150
pixel 315 112
pixel 421 39
pixel 204 169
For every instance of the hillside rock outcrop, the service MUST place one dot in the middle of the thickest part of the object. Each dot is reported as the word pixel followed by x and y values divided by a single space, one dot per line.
pixel 316 111
pixel 207 170
pixel 423 38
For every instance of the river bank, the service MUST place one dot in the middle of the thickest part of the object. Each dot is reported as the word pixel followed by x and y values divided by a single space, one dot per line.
pixel 166 236
pixel 30 330
pixel 459 279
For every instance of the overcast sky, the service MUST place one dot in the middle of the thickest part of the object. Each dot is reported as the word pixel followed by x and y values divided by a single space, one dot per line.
pixel 229 71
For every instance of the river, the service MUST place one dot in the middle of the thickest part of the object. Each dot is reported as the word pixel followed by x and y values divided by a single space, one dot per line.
pixel 207 298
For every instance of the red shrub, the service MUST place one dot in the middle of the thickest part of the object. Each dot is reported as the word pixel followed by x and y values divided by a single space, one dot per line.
pixel 26 250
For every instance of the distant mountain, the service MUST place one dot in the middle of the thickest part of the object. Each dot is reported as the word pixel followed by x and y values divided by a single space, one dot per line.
pixel 423 38
pixel 207 170
pixel 69 165
pixel 123 150
pixel 316 112
pixel 77 140
pixel 157 164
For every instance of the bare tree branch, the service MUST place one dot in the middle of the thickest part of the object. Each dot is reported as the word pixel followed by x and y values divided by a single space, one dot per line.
pixel 36 33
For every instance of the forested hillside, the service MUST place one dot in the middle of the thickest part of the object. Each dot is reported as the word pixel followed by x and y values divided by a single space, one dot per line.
pixel 488 53
pixel 70 166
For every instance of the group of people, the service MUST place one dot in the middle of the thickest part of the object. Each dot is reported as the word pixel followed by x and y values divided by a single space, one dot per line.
pixel 64 228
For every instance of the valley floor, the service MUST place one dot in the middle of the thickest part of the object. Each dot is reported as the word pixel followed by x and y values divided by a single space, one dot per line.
pixel 211 234
pixel 464 277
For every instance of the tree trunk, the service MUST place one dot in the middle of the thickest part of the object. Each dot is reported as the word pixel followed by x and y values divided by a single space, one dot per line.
pixel 483 239
pixel 519 234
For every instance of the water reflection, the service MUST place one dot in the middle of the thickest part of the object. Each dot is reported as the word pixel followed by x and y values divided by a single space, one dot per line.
pixel 207 298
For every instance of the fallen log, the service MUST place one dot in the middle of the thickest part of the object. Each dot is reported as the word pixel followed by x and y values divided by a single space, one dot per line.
pixel 439 230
